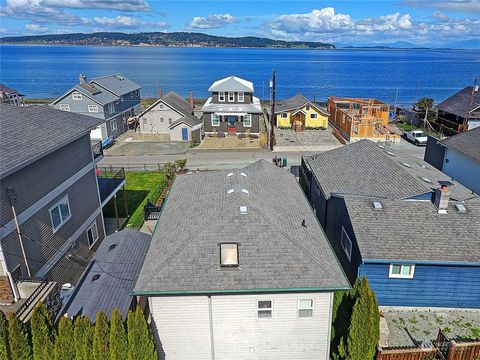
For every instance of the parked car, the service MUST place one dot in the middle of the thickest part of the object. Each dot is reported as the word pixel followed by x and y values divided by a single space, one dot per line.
pixel 418 137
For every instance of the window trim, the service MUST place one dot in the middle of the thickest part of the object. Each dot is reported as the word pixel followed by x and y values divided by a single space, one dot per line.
pixel 76 95
pixel 61 201
pixel 284 115
pixel 218 119
pixel 233 96
pixel 348 253
pixel 222 266
pixel 312 308
pixel 91 226
pixel 93 108
pixel 313 116
pixel 221 96
pixel 265 309
pixel 241 96
pixel 65 107
pixel 250 121
pixel 391 275
pixel 113 121
pixel 111 108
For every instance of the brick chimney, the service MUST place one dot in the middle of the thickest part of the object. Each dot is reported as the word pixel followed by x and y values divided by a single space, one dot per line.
pixel 191 99
pixel 442 196
pixel 6 294
pixel 83 79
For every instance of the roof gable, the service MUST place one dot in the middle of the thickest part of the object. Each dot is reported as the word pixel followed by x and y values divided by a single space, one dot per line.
pixel 116 84
pixel 296 102
pixel 232 83
pixel 458 103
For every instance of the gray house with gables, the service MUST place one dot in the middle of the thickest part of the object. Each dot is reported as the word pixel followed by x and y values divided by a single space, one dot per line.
pixel 51 197
pixel 113 99
pixel 232 108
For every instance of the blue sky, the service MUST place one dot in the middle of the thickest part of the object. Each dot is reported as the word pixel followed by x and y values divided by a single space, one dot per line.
pixel 423 22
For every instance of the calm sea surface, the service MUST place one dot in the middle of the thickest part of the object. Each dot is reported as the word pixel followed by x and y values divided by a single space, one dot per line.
pixel 48 71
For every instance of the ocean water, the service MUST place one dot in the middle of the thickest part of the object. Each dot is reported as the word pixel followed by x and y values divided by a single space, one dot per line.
pixel 49 71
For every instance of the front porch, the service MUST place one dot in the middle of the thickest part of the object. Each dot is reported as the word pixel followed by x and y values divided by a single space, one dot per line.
pixel 233 123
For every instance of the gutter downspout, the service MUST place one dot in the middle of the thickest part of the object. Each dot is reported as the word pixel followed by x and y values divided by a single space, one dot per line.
pixel 210 318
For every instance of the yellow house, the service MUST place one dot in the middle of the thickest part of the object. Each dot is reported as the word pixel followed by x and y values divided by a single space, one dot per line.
pixel 299 113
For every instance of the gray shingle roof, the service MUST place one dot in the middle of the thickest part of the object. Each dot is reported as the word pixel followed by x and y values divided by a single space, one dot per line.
pixel 102 97
pixel 232 83
pixel 118 268
pixel 415 231
pixel 178 103
pixel 458 103
pixel 189 120
pixel 362 168
pixel 275 250
pixel 467 143
pixel 296 102
pixel 28 133
pixel 117 84
pixel 5 89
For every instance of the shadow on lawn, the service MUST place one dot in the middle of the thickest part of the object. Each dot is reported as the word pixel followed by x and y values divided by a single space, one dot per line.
pixel 134 199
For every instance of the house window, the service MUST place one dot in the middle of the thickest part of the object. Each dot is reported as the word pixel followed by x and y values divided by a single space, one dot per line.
pixel 76 95
pixel 92 234
pixel 145 121
pixel 229 255
pixel 111 108
pixel 401 271
pixel 60 213
pixel 215 120
pixel 113 125
pixel 313 116
pixel 65 107
pixel 93 108
pixel 284 115
pixel 264 309
pixel 241 97
pixel 162 119
pixel 305 308
pixel 307 107
pixel 160 106
pixel 169 121
pixel 346 244
pixel 221 96
pixel 247 120
pixel 231 96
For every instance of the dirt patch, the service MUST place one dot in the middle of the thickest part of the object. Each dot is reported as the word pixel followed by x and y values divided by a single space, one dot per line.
pixel 229 142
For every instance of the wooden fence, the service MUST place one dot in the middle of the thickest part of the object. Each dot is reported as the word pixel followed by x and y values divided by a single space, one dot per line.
pixel 443 349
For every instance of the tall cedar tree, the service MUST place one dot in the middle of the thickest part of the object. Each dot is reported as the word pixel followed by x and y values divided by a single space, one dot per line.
pixel 132 336
pixel 364 330
pixel 146 349
pixel 118 337
pixel 88 340
pixel 81 328
pixel 4 350
pixel 41 329
pixel 49 349
pixel 101 338
pixel 18 339
pixel 64 343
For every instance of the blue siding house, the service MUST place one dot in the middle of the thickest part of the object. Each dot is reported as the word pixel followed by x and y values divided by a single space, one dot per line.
pixel 411 229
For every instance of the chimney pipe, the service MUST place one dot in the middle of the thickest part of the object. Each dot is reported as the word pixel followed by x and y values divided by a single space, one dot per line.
pixel 83 79
pixel 442 196
pixel 191 99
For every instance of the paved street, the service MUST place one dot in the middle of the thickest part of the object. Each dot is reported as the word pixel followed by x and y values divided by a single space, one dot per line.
pixel 137 154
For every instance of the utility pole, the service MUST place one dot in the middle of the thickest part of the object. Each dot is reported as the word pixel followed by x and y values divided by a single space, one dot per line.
pixel 470 101
pixel 272 110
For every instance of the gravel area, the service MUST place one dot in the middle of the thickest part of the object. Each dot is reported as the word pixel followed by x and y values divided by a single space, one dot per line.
pixel 417 328
pixel 287 137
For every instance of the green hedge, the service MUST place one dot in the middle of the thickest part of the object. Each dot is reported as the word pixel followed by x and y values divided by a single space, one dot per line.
pixel 136 219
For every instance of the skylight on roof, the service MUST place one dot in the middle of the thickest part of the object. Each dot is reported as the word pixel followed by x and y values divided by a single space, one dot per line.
pixel 460 208
pixel 245 191
pixel 377 205
pixel 229 174
pixel 427 180
pixel 243 210
pixel 230 191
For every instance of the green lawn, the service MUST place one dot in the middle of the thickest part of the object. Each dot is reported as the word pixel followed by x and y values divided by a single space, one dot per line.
pixel 406 127
pixel 140 187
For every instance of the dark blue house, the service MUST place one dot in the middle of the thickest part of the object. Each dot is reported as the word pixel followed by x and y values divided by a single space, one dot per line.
pixel 412 230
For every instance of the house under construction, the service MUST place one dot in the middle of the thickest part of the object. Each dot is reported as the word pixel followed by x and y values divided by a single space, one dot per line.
pixel 357 119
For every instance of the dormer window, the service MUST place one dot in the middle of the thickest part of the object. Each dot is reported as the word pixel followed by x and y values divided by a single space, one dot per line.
pixel 241 97
pixel 76 95
pixel 231 96
pixel 221 96
pixel 229 255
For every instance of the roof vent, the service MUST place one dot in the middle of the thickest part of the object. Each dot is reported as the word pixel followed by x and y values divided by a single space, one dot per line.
pixel 423 166
pixel 377 205
pixel 461 208
pixel 111 247
pixel 243 174
pixel 243 209
pixel 229 174
pixel 118 77
pixel 381 146
pixel 230 191
pixel 95 277
pixel 427 180
pixel 245 191
pixel 406 165
pixel 390 153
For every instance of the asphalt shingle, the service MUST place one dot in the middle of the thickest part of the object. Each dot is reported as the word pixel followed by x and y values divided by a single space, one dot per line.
pixel 275 250
pixel 457 104
pixel 467 143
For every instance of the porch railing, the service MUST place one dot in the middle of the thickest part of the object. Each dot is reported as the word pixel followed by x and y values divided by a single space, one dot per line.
pixel 108 183
pixel 97 150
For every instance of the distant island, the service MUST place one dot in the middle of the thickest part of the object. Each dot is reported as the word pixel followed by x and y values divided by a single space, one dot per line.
pixel 173 39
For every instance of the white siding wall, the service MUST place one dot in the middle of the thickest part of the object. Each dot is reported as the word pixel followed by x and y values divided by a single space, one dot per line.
pixel 150 122
pixel 184 330
pixel 176 132
pixel 462 169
